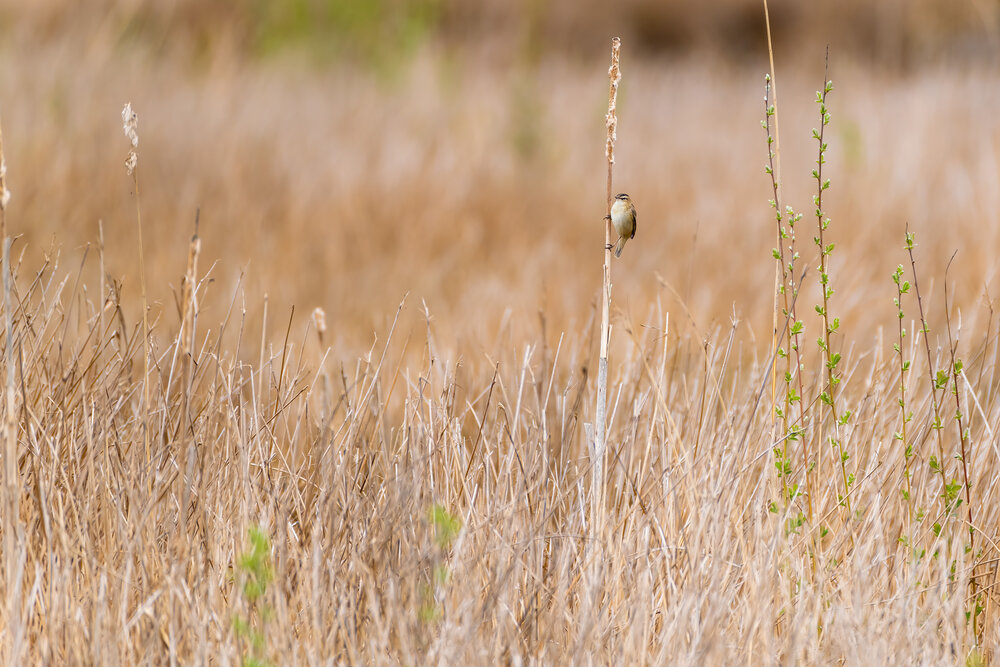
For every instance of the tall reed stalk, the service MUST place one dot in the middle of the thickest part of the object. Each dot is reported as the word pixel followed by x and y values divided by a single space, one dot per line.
pixel 12 541
pixel 130 125
pixel 600 436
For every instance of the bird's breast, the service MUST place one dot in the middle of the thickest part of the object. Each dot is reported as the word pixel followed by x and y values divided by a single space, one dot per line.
pixel 621 218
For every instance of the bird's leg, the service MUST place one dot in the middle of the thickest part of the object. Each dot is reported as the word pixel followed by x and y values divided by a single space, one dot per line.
pixel 609 246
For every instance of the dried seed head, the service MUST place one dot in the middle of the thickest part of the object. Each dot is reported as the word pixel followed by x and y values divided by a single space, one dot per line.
pixel 4 192
pixel 131 161
pixel 611 119
pixel 130 123
pixel 319 320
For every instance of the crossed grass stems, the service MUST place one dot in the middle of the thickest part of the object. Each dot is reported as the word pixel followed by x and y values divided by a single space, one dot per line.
pixel 274 472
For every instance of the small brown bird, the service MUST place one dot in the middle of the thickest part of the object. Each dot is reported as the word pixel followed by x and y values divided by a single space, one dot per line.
pixel 623 218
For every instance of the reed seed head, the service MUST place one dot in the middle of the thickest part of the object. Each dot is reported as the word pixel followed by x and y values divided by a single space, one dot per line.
pixel 130 124
pixel 319 320
pixel 5 194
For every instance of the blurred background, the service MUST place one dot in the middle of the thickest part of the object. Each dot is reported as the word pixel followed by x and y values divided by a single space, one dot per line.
pixel 344 153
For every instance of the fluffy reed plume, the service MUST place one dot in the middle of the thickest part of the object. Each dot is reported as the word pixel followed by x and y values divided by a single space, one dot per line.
pixel 319 321
pixel 130 125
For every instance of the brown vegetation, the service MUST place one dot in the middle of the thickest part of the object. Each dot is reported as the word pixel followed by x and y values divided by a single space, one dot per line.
pixel 417 463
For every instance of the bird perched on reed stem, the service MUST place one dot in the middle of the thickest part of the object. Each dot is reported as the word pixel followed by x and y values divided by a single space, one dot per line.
pixel 623 218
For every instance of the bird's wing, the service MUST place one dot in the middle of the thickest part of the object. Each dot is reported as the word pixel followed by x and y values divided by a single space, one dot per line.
pixel 635 222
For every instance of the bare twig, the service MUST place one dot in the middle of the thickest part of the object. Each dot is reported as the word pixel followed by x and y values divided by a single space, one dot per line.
pixel 934 384
pixel 963 437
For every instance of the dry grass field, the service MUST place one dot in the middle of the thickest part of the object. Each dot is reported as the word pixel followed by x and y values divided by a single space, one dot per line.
pixel 346 422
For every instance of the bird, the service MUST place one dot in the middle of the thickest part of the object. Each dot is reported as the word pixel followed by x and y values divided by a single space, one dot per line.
pixel 623 218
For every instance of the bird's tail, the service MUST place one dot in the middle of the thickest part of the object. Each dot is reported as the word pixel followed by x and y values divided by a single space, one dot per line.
pixel 620 246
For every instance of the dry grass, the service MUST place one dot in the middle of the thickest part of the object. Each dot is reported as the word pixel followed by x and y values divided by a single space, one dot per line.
pixel 420 469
